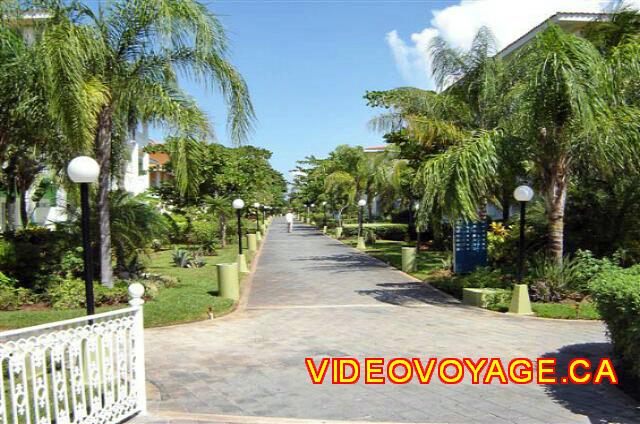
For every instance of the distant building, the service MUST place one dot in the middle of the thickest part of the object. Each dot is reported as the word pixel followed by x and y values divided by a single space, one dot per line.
pixel 157 171
pixel 47 203
pixel 571 22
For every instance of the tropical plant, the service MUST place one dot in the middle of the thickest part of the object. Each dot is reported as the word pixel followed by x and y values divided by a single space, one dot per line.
pixel 113 68
pixel 565 107
pixel 183 258
pixel 134 226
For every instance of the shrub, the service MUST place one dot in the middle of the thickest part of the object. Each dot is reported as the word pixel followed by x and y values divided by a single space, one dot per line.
pixel 369 234
pixel 12 297
pixel 205 234
pixel 32 256
pixel 72 263
pixel 181 258
pixel 70 294
pixel 185 259
pixel 550 281
pixel 617 296
pixel 499 299
pixel 480 278
pixel 386 231
pixel 586 267
pixel 134 225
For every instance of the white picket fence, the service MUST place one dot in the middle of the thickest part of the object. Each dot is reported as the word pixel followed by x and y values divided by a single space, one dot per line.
pixel 83 370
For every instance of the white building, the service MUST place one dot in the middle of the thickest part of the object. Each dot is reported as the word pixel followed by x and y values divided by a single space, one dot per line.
pixel 52 206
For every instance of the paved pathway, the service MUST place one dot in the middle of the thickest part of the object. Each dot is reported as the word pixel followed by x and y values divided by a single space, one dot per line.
pixel 313 296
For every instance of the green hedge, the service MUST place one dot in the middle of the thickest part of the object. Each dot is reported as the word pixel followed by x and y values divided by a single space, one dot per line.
pixel 385 231
pixel 480 278
pixel 617 296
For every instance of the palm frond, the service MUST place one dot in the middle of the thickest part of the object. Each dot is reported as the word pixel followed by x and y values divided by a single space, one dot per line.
pixel 458 180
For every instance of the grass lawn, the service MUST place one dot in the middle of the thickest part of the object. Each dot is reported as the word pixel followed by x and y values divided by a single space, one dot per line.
pixel 198 289
pixel 188 301
pixel 390 252
pixel 430 261
pixel 564 310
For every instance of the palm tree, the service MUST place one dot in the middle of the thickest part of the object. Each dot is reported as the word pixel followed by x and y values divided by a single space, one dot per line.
pixel 468 106
pixel 111 70
pixel 563 108
pixel 340 188
pixel 221 206
pixel 569 109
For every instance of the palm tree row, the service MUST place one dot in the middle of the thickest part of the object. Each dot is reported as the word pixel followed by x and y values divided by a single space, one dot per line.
pixel 102 72
pixel 559 104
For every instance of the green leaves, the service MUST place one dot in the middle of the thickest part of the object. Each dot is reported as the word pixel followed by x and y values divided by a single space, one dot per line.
pixel 187 156
pixel 458 181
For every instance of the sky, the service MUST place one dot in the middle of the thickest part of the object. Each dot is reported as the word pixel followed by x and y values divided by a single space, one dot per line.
pixel 308 63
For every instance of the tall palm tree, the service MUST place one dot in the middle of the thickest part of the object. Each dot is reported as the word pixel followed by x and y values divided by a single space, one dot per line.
pixel 466 108
pixel 118 67
pixel 563 108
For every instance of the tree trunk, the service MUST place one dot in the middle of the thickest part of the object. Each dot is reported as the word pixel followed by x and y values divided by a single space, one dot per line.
pixel 24 216
pixel 103 153
pixel 506 205
pixel 223 230
pixel 555 196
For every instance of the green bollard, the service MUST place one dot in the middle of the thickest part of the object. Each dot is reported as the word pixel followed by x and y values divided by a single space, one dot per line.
pixel 408 259
pixel 228 282
pixel 242 264
pixel 520 303
pixel 258 236
pixel 252 242
pixel 338 232
pixel 361 245
pixel 324 230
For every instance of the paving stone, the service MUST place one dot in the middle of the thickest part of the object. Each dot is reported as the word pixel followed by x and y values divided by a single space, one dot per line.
pixel 313 296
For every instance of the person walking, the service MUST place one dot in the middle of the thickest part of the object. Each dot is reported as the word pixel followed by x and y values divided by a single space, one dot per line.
pixel 289 218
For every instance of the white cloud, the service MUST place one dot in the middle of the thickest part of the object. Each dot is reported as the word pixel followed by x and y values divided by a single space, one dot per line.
pixel 412 60
pixel 458 24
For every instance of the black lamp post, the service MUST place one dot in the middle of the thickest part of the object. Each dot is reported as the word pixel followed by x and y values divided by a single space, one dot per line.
pixel 522 194
pixel 85 170
pixel 416 207
pixel 238 204
pixel 324 214
pixel 361 205
pixel 257 206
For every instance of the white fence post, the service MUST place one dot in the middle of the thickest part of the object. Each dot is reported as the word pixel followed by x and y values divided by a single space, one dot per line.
pixel 136 290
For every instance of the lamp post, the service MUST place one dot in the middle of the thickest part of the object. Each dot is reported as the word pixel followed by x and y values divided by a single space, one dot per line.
pixel 238 204
pixel 520 302
pixel 417 207
pixel 361 204
pixel 256 205
pixel 522 194
pixel 85 170
pixel 324 215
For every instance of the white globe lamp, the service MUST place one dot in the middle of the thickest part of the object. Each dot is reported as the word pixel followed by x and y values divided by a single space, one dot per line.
pixel 83 169
pixel 523 193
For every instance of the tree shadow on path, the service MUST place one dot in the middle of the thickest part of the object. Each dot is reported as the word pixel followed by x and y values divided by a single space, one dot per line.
pixel 346 262
pixel 601 403
pixel 408 294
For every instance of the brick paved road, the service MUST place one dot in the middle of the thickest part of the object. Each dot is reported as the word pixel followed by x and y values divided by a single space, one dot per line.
pixel 312 296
